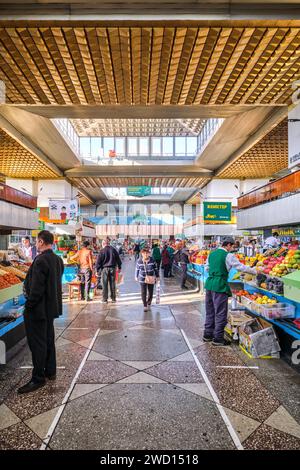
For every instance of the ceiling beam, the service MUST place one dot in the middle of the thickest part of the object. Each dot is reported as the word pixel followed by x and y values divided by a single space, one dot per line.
pixel 82 192
pixel 96 171
pixel 144 12
pixel 28 145
pixel 138 112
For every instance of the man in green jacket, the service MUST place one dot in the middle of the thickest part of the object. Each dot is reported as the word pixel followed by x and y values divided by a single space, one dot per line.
pixel 218 291
pixel 156 255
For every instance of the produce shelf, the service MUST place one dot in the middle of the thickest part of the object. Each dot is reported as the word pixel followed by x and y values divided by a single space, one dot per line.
pixel 11 292
pixel 286 325
pixel 9 325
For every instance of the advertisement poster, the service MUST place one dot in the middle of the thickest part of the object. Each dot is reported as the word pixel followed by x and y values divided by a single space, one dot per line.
pixel 138 191
pixel 64 209
pixel 217 212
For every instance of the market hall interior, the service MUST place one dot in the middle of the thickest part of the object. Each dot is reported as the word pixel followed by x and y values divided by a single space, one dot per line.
pixel 144 117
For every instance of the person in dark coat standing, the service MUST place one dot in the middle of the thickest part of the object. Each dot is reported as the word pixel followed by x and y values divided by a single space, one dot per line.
pixel 43 293
pixel 107 262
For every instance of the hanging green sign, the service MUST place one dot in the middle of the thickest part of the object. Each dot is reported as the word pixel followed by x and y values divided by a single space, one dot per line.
pixel 41 225
pixel 217 211
pixel 138 191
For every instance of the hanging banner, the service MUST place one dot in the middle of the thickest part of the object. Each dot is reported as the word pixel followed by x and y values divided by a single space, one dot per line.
pixel 64 210
pixel 217 211
pixel 138 191
pixel 294 137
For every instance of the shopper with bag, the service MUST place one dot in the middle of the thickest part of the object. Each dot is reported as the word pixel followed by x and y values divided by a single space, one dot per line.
pixel 146 273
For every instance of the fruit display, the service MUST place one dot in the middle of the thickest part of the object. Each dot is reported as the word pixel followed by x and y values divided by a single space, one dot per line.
pixel 266 306
pixel 11 269
pixel 276 263
pixel 8 280
pixel 199 257
pixel 21 267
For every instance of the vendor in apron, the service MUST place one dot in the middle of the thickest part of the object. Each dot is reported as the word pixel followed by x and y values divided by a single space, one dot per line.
pixel 218 291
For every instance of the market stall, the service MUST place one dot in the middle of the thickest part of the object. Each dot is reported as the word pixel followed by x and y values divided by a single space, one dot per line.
pixel 273 295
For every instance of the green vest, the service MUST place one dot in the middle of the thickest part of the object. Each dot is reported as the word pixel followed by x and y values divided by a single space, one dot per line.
pixel 218 274
pixel 156 254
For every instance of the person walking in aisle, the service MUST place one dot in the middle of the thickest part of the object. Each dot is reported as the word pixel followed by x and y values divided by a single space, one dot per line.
pixel 84 258
pixel 146 273
pixel 43 293
pixel 137 250
pixel 183 260
pixel 171 251
pixel 218 291
pixel 107 262
pixel 165 260
pixel 156 255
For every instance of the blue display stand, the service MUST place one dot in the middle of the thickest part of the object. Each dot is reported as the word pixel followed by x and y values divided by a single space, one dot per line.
pixel 70 272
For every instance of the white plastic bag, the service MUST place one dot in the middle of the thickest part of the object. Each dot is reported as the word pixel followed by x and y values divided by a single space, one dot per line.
pixel 157 292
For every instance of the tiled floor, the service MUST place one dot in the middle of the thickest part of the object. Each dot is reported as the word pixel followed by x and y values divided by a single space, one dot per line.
pixel 140 387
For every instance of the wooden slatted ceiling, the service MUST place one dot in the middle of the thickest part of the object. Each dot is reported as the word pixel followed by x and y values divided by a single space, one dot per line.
pixel 108 182
pixel 137 127
pixel 264 159
pixel 17 162
pixel 144 65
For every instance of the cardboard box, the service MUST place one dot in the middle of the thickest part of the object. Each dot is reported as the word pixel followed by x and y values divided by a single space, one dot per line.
pixel 258 339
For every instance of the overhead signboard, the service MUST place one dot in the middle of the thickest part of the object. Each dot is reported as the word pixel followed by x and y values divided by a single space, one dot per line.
pixel 288 232
pixel 217 212
pixel 294 137
pixel 138 191
pixel 64 210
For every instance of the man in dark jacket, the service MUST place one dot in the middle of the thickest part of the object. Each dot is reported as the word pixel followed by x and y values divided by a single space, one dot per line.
pixel 182 258
pixel 107 262
pixel 43 292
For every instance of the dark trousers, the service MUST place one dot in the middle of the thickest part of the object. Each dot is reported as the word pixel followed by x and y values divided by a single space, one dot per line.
pixel 167 270
pixel 158 263
pixel 183 274
pixel 216 304
pixel 41 342
pixel 109 277
pixel 171 265
pixel 85 286
pixel 99 281
pixel 147 289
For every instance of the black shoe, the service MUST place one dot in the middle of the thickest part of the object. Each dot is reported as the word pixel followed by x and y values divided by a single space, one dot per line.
pixel 31 387
pixel 51 377
pixel 89 300
pixel 221 343
pixel 184 287
pixel 207 339
pixel 113 301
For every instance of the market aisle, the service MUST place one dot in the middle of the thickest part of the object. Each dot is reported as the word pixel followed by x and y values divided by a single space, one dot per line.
pixel 141 387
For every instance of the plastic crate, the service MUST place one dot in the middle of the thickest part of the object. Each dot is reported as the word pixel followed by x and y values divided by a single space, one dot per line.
pixel 276 311
pixel 247 302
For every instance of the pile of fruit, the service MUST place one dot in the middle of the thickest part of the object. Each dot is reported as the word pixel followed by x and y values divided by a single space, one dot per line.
pixel 256 297
pixel 277 264
pixel 199 257
pixel 8 280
